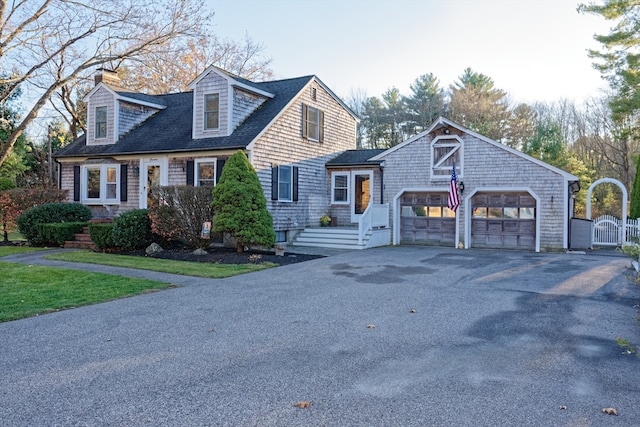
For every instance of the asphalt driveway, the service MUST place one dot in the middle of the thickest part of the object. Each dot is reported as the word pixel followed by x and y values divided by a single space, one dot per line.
pixel 396 336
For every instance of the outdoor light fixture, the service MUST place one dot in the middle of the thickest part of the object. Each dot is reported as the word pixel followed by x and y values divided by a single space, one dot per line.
pixel 136 171
pixel 461 187
pixel 446 131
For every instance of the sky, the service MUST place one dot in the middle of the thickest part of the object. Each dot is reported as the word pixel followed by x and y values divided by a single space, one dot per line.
pixel 535 50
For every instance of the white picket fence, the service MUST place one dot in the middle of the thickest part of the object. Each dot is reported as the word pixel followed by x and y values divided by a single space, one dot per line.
pixel 607 231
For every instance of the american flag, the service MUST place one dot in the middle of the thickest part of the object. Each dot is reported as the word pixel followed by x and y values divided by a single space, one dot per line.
pixel 454 199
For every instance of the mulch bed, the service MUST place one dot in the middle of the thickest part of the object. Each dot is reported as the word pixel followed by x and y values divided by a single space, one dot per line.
pixel 224 255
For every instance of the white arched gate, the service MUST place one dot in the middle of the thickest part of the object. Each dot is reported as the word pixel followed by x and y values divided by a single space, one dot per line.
pixel 609 230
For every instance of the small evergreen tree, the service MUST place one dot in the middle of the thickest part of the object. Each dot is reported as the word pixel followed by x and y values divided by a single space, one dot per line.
pixel 239 205
pixel 634 211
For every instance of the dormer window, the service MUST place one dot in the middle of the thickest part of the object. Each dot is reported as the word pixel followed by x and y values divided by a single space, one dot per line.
pixel 312 123
pixel 211 111
pixel 101 122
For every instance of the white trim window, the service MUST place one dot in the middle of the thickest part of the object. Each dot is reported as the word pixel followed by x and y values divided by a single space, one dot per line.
pixel 101 122
pixel 340 188
pixel 211 111
pixel 445 151
pixel 101 183
pixel 205 172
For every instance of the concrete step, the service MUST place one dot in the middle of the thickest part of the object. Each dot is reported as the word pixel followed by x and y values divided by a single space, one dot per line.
pixel 330 237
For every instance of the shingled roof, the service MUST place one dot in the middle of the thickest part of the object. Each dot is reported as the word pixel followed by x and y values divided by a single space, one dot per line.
pixel 170 130
pixel 356 158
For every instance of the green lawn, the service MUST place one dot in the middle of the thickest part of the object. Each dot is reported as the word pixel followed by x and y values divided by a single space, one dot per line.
pixel 10 250
pixel 31 290
pixel 27 290
pixel 197 269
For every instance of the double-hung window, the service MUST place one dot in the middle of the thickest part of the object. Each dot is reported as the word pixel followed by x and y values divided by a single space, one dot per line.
pixel 101 122
pixel 340 187
pixel 284 183
pixel 211 111
pixel 312 123
pixel 101 183
pixel 205 172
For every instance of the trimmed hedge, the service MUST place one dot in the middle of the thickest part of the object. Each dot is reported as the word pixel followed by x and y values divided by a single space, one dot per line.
pixel 55 234
pixel 47 214
pixel 132 230
pixel 102 235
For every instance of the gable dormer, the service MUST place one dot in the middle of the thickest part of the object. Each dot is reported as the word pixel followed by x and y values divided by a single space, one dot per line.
pixel 221 102
pixel 113 111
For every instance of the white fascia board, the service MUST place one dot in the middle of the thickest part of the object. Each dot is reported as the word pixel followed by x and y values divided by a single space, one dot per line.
pixel 336 98
pixel 231 81
pixel 97 88
pixel 268 126
pixel 442 120
pixel 139 102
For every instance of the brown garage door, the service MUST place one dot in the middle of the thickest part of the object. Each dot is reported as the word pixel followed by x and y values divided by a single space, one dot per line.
pixel 503 220
pixel 426 219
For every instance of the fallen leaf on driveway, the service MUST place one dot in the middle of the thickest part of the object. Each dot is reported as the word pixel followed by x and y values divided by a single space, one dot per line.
pixel 563 407
pixel 413 310
pixel 371 326
pixel 610 411
pixel 303 405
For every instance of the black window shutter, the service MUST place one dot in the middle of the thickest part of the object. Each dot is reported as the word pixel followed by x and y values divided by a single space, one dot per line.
pixel 295 183
pixel 305 112
pixel 219 166
pixel 274 183
pixel 190 172
pixel 321 130
pixel 76 183
pixel 123 182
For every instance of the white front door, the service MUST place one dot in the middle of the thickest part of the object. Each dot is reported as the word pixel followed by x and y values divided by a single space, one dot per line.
pixel 361 193
pixel 153 173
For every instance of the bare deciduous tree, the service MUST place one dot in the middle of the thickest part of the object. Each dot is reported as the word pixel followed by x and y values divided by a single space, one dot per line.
pixel 46 44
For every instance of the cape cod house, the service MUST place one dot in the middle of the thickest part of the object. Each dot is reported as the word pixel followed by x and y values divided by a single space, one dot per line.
pixel 300 138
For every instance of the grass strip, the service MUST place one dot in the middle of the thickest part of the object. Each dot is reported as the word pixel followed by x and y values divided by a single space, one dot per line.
pixel 11 250
pixel 196 269
pixel 27 291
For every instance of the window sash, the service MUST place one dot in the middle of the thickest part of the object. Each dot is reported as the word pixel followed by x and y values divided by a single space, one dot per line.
pixel 101 122
pixel 101 183
pixel 205 174
pixel 285 183
pixel 340 191
pixel 211 111
pixel 313 124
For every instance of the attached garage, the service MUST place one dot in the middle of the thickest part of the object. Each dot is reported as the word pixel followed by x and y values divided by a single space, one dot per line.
pixel 503 220
pixel 426 219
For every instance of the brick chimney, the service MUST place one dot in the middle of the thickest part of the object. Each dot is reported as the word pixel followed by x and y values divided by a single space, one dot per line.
pixel 107 76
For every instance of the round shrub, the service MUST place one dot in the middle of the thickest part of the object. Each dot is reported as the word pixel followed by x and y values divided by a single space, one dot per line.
pixel 50 213
pixel 132 230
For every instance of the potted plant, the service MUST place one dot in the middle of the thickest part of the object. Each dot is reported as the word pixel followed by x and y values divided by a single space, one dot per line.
pixel 325 220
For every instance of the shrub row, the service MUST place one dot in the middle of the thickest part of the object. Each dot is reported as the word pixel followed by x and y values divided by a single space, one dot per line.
pixel 47 214
pixel 55 234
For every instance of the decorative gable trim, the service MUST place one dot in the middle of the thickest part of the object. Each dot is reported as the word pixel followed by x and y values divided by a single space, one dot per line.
pixel 307 87
pixel 119 97
pixel 441 121
pixel 232 81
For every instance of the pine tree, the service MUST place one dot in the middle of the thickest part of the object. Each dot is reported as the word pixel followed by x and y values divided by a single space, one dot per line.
pixel 239 205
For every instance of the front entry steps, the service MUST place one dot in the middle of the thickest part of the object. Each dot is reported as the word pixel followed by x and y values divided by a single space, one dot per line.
pixel 331 237
pixel 81 240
